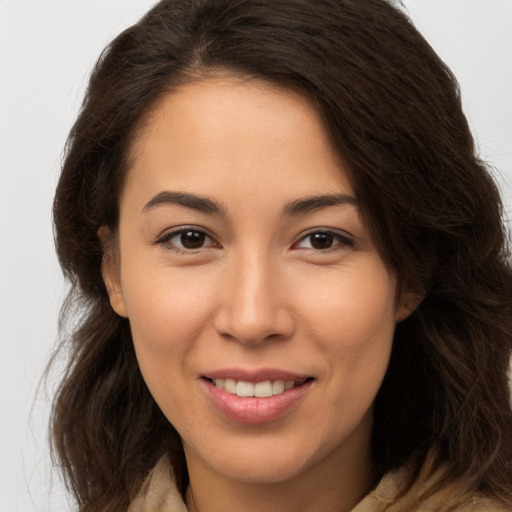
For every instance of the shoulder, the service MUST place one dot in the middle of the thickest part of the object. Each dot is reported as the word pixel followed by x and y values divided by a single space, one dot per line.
pixel 486 505
pixel 400 491
pixel 474 504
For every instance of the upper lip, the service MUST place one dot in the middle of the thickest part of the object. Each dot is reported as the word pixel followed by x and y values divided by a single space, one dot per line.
pixel 255 375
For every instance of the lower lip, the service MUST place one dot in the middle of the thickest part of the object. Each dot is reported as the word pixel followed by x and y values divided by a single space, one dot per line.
pixel 253 410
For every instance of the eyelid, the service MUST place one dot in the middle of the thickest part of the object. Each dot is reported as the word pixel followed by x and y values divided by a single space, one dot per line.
pixel 344 239
pixel 165 238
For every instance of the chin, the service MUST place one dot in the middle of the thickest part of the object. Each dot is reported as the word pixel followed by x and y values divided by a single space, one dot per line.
pixel 261 469
pixel 263 459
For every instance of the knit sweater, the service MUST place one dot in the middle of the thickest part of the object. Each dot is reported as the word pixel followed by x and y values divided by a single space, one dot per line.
pixel 159 493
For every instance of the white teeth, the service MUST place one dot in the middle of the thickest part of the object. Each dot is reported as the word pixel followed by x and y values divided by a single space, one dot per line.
pixel 230 386
pixel 259 389
pixel 263 389
pixel 277 387
pixel 245 389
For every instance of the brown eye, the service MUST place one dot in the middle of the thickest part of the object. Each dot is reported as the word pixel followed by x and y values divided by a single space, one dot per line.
pixel 323 241
pixel 187 239
pixel 192 239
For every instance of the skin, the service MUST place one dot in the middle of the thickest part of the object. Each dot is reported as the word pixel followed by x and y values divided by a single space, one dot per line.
pixel 256 292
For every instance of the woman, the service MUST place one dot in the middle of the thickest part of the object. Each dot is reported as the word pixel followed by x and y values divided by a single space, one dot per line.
pixel 291 269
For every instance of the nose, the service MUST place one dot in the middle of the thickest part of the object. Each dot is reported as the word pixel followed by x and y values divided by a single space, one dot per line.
pixel 253 303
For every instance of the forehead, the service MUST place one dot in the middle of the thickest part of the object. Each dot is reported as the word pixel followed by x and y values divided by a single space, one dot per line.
pixel 230 131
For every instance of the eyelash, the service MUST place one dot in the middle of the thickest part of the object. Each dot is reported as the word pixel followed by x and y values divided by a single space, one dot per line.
pixel 166 240
pixel 339 240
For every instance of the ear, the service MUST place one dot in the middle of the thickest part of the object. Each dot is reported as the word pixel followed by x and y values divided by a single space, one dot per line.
pixel 110 271
pixel 407 304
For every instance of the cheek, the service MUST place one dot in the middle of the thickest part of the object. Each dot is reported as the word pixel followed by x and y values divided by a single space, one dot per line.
pixel 352 306
pixel 168 312
pixel 165 304
pixel 166 322
pixel 352 320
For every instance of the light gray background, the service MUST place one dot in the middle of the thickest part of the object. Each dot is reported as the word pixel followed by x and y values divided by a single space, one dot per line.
pixel 47 48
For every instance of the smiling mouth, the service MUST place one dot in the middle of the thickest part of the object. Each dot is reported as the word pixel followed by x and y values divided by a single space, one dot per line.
pixel 262 389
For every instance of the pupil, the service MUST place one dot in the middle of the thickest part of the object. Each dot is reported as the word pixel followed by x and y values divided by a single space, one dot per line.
pixel 321 240
pixel 192 239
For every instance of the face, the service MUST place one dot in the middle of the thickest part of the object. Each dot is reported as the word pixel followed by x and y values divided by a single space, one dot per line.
pixel 262 314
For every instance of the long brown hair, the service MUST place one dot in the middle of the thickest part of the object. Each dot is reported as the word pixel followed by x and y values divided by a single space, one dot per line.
pixel 393 111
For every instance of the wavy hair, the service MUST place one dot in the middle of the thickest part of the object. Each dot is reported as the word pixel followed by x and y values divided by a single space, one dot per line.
pixel 393 111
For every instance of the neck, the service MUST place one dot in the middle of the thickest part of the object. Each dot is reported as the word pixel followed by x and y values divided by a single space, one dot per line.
pixel 332 485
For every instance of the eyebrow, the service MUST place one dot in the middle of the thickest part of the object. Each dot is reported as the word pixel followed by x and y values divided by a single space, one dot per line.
pixel 312 203
pixel 208 205
pixel 200 203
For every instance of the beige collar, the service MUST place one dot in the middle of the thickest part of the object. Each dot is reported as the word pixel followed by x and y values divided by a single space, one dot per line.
pixel 160 494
